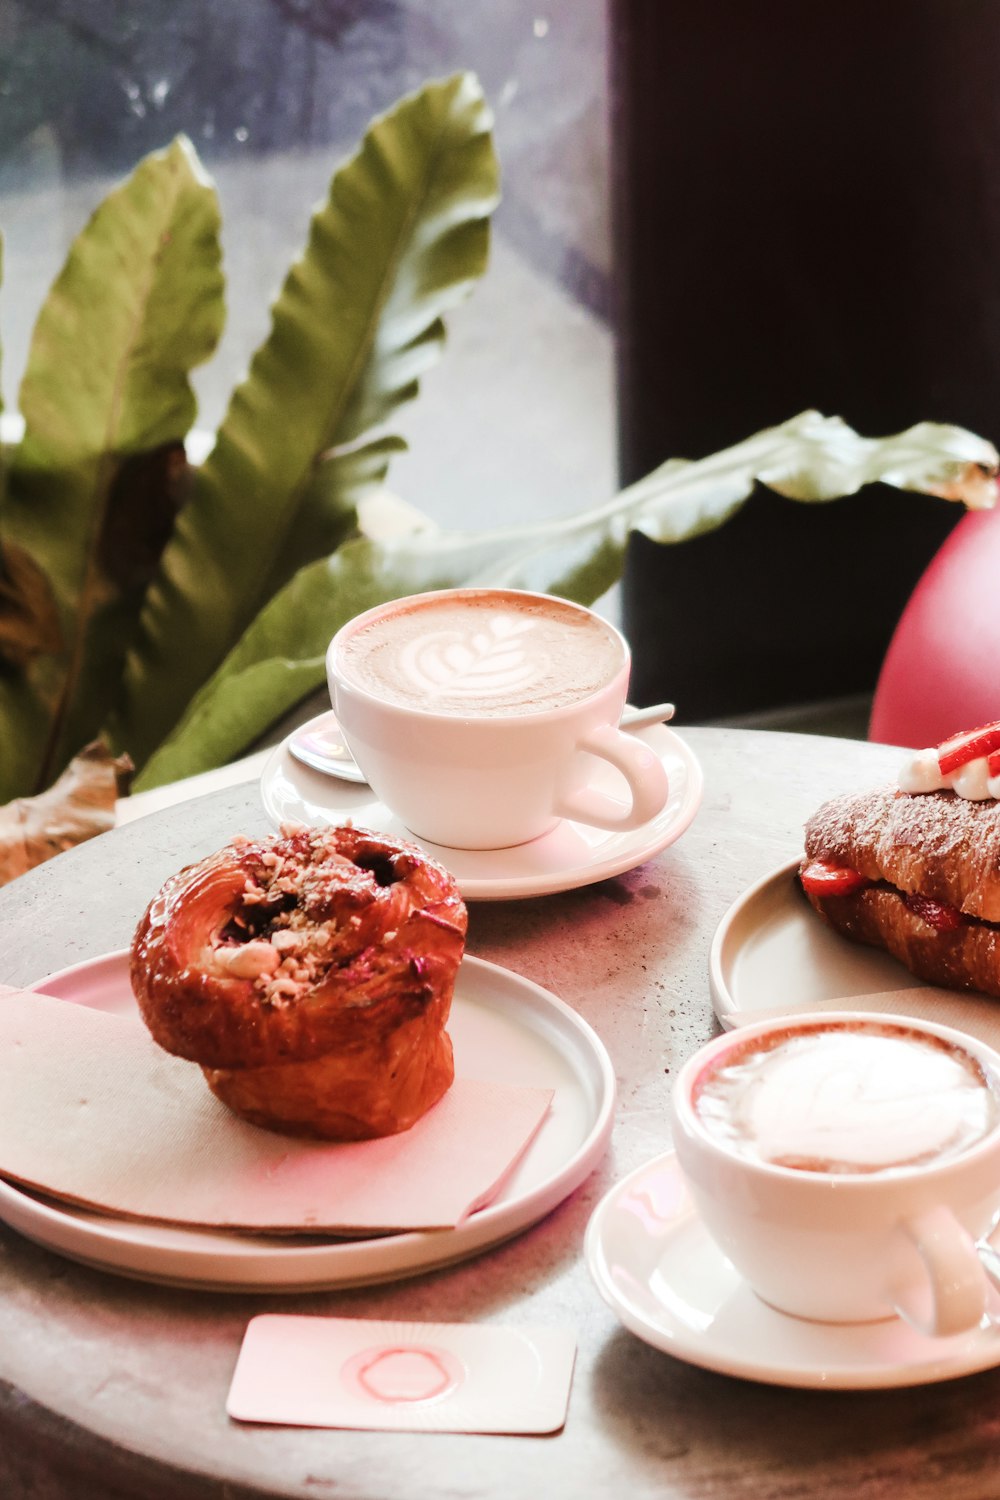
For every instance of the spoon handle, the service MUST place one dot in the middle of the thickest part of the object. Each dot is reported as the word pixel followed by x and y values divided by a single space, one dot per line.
pixel 639 718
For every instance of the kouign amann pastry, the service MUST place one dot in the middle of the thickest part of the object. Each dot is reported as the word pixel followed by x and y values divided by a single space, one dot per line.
pixel 310 976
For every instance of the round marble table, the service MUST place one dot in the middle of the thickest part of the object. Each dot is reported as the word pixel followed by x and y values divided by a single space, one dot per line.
pixel 113 1388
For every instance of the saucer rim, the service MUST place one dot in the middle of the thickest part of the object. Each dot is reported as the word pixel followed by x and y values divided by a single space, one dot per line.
pixel 977 1351
pixel 876 971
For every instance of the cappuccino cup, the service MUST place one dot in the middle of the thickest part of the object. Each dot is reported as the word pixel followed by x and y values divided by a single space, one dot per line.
pixel 479 716
pixel 846 1165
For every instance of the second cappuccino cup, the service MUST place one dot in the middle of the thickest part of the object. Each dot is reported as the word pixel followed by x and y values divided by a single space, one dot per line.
pixel 480 716
pixel 846 1165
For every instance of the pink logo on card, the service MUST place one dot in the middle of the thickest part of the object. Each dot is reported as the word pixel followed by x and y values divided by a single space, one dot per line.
pixel 393 1375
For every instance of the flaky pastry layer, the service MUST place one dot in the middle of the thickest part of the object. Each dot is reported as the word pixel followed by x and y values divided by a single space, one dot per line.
pixel 966 959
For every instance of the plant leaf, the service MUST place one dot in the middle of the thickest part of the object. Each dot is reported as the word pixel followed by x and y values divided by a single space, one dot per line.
pixel 401 238
pixel 222 724
pixel 24 722
pixel 80 804
pixel 29 620
pixel 137 304
pixel 340 482
pixel 143 502
pixel 1 347
pixel 3 450
pixel 809 458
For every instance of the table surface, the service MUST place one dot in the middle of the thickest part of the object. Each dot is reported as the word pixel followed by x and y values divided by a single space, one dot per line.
pixel 112 1388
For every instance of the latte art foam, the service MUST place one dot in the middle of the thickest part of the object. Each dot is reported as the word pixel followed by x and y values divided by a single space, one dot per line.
pixel 490 654
pixel 862 1098
pixel 492 661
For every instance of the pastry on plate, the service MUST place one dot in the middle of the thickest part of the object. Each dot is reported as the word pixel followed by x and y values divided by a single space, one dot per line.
pixel 915 868
pixel 310 975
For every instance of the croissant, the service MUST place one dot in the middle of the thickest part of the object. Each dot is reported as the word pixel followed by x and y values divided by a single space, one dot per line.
pixel 310 976
pixel 916 875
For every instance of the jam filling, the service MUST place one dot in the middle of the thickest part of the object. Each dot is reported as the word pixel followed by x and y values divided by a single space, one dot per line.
pixel 941 916
pixel 822 879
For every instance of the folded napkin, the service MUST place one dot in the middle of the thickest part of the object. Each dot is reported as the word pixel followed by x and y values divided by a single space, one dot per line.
pixel 92 1111
pixel 975 1015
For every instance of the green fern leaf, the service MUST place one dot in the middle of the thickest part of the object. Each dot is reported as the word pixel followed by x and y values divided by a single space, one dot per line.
pixel 136 306
pixel 401 238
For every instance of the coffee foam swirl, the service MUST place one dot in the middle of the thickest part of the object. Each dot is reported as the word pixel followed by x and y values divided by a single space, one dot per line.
pixel 847 1100
pixel 473 664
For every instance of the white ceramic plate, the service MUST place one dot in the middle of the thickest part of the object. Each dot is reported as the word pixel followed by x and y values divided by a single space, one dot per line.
pixel 503 1028
pixel 771 952
pixel 772 955
pixel 655 1264
pixel 571 855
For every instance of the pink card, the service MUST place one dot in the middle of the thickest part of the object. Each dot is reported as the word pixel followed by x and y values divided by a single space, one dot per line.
pixel 407 1377
pixel 92 1111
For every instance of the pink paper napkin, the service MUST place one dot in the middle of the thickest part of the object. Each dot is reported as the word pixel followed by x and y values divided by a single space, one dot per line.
pixel 92 1111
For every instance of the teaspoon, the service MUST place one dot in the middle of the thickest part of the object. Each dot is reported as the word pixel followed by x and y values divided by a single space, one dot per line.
pixel 320 745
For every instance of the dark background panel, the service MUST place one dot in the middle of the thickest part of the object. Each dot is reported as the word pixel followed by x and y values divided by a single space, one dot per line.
pixel 806 214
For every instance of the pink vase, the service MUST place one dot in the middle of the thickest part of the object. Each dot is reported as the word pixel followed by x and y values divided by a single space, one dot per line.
pixel 941 672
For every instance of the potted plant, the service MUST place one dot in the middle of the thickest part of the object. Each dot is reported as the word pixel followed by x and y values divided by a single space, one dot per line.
pixel 171 609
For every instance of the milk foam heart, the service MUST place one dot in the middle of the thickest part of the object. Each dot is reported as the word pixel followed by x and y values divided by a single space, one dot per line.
pixel 847 1099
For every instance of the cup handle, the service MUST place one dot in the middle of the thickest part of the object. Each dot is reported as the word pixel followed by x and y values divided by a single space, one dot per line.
pixel 957 1282
pixel 642 769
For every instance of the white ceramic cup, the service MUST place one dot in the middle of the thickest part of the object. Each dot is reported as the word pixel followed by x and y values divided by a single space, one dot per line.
pixel 473 777
pixel 847 1246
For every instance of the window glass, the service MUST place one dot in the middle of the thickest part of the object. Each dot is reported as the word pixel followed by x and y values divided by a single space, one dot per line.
pixel 517 420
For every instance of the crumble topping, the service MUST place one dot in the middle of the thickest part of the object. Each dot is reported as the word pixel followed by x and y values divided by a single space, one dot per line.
pixel 302 911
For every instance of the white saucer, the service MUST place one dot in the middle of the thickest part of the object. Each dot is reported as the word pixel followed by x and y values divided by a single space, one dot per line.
pixel 656 1266
pixel 571 855
pixel 503 1027
pixel 772 955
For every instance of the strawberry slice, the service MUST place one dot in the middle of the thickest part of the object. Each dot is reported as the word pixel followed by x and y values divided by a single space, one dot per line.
pixel 821 878
pixel 956 752
pixel 993 763
pixel 941 916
